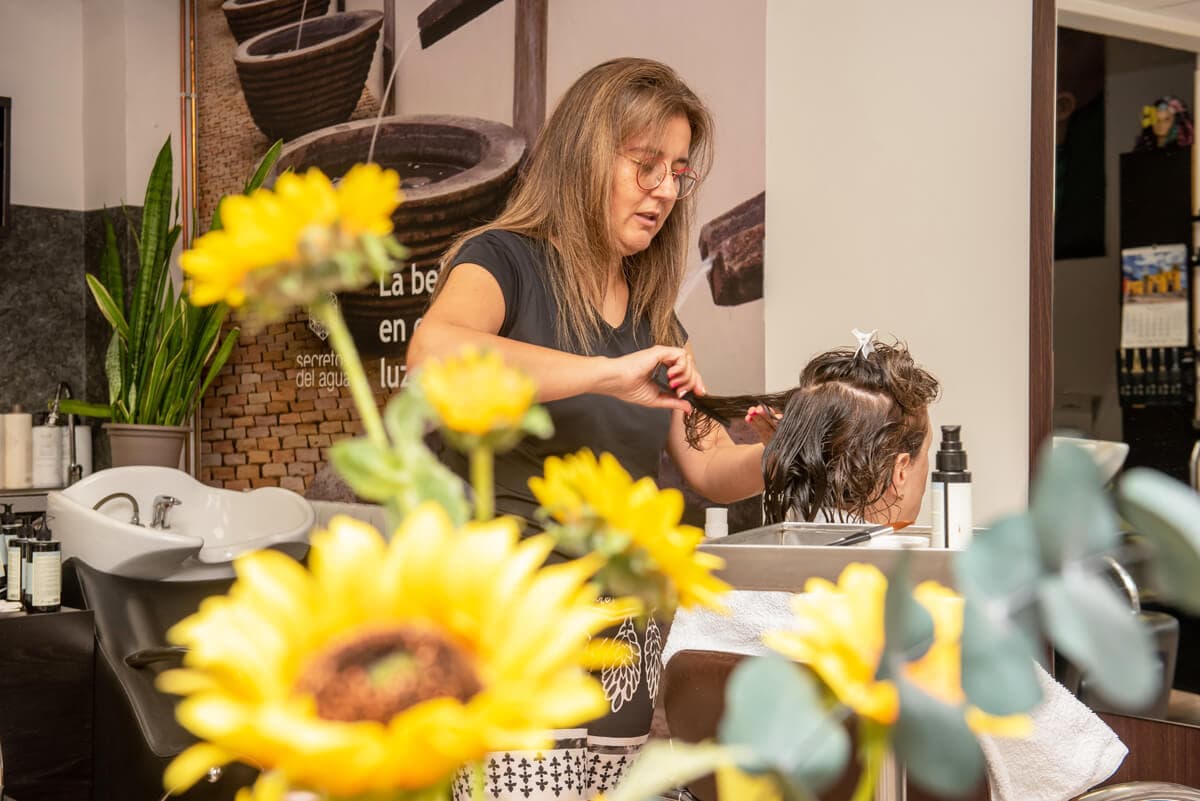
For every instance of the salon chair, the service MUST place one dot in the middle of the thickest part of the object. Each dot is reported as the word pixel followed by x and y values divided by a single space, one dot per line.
pixel 136 735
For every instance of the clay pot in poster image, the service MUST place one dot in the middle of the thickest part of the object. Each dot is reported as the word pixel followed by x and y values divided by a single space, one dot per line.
pixel 248 18
pixel 456 173
pixel 293 90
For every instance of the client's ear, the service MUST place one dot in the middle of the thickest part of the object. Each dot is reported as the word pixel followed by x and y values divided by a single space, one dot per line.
pixel 900 471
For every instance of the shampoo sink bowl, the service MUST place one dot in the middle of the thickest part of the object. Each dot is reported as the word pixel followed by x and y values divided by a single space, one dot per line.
pixel 206 530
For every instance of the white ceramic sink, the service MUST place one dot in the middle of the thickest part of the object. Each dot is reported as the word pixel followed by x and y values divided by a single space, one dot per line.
pixel 204 532
pixel 1109 456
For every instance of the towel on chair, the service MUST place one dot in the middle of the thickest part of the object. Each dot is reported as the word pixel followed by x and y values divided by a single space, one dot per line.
pixel 751 615
pixel 1069 751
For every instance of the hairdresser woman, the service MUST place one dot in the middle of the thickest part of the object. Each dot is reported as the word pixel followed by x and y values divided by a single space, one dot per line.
pixel 575 283
pixel 576 280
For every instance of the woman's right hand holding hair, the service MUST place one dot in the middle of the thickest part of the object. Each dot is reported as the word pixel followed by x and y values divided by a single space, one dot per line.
pixel 631 377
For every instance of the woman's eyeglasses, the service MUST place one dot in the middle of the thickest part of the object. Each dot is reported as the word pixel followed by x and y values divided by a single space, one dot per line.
pixel 651 173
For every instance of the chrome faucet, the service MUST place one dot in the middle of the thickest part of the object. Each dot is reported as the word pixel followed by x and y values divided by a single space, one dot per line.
pixel 135 520
pixel 74 470
pixel 162 505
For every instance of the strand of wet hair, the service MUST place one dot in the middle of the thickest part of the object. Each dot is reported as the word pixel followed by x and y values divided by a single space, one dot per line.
pixel 710 411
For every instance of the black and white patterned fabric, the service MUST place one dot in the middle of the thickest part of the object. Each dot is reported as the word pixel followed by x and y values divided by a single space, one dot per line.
pixel 583 762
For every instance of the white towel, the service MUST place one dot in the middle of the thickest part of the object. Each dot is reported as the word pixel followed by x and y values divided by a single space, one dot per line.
pixel 1070 751
pixel 751 615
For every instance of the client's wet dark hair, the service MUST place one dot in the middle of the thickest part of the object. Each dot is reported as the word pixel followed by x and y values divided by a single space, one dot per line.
pixel 843 427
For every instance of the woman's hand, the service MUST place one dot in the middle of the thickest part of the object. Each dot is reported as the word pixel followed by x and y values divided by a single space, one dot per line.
pixel 763 420
pixel 631 378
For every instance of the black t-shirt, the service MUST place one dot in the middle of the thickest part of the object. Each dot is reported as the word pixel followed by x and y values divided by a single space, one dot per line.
pixel 634 434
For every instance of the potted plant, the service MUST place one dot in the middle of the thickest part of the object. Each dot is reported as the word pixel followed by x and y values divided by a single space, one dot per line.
pixel 164 352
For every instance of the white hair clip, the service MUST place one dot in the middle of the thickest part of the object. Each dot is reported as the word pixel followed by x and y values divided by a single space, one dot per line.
pixel 866 342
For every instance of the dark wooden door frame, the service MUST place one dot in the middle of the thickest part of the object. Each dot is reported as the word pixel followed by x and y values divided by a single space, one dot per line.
pixel 1041 228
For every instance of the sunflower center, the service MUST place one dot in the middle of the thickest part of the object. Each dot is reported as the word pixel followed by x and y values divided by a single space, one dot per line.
pixel 378 675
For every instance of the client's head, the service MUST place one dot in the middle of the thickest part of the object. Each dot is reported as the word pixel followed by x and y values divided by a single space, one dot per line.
pixel 854 439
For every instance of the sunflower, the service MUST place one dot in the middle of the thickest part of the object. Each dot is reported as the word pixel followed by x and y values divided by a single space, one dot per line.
pixel 476 394
pixel 295 243
pixel 840 636
pixel 389 665
pixel 600 508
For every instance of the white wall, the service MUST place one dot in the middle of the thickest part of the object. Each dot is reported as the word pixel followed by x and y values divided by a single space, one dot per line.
pixel 95 89
pixel 151 90
pixel 104 101
pixel 898 178
pixel 41 69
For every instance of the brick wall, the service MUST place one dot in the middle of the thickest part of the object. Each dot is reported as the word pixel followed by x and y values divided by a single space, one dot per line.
pixel 268 421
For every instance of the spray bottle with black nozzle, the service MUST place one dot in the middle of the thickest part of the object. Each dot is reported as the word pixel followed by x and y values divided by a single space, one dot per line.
pixel 950 493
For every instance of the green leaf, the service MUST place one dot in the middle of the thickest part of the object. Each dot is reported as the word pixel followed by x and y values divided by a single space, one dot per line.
pixel 1001 561
pixel 111 273
pixel 935 744
pixel 907 626
pixel 662 766
pixel 1071 514
pixel 218 361
pixel 114 368
pixel 773 708
pixel 998 657
pixel 1166 513
pixel 382 475
pixel 84 409
pixel 537 422
pixel 108 306
pixel 264 167
pixel 1089 623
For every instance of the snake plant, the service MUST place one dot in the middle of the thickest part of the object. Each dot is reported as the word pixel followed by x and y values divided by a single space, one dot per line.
pixel 164 352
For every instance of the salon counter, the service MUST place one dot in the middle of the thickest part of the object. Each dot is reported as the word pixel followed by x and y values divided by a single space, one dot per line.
pixel 46 677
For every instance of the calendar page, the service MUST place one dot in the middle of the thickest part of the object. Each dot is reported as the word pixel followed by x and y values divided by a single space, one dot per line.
pixel 1154 292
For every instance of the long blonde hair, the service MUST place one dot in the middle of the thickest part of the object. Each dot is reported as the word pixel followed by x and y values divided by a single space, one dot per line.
pixel 564 192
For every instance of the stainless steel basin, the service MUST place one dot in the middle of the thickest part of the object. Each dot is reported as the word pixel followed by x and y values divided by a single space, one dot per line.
pixel 782 556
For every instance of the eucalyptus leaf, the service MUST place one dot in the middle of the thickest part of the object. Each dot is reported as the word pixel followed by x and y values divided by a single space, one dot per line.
pixel 1089 623
pixel 1001 562
pixel 934 743
pixel 664 765
pixel 907 626
pixel 1071 514
pixel 774 708
pixel 1166 513
pixel 998 673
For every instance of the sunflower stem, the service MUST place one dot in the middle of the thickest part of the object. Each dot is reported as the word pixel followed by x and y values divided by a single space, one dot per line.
pixel 871 754
pixel 481 482
pixel 360 388
pixel 477 782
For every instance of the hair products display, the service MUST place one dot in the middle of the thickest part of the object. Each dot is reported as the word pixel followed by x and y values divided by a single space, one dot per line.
pixel 950 493
pixel 45 571
pixel 716 521
pixel 13 564
pixel 18 449
pixel 47 452
pixel 10 529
